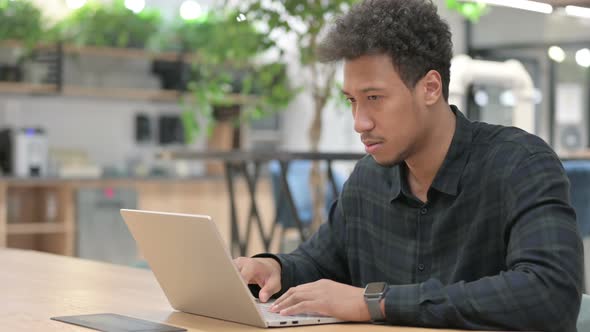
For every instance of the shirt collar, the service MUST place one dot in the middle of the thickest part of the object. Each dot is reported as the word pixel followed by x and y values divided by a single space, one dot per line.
pixel 396 181
pixel 448 176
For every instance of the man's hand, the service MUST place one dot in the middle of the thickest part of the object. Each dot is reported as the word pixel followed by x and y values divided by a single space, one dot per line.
pixel 265 272
pixel 325 297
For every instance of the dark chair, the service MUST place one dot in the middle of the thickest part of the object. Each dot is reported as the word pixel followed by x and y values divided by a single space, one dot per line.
pixel 583 324
pixel 298 179
pixel 578 172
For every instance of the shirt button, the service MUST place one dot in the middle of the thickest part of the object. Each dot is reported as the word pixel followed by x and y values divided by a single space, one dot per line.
pixel 421 267
pixel 423 211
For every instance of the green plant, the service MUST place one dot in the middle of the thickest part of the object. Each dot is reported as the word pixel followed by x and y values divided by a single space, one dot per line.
pixel 111 25
pixel 471 10
pixel 226 70
pixel 20 20
pixel 221 38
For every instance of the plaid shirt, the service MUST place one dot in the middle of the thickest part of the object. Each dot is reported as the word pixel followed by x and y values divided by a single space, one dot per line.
pixel 495 247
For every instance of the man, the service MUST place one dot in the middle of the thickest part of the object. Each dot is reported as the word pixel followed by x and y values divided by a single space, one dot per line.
pixel 448 223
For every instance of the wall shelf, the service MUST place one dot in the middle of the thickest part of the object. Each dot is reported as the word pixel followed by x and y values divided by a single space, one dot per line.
pixel 27 88
pixel 115 52
pixel 102 51
pixel 37 228
pixel 122 93
pixel 63 89
pixel 111 93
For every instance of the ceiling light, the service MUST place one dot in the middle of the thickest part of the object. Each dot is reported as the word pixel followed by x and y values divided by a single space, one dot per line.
pixel 583 57
pixel 507 98
pixel 75 4
pixel 135 6
pixel 481 98
pixel 520 4
pixel 577 11
pixel 556 54
pixel 537 96
pixel 190 10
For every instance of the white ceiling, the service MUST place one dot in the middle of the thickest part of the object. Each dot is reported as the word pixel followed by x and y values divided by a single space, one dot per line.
pixel 584 3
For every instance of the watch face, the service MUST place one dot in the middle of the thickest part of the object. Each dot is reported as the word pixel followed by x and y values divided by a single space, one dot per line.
pixel 375 288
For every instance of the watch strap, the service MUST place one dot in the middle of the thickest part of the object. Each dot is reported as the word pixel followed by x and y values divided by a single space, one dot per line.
pixel 374 305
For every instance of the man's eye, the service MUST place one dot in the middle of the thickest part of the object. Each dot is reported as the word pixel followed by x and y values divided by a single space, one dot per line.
pixel 350 100
pixel 373 97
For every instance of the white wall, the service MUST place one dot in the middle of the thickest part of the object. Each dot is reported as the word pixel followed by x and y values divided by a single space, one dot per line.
pixel 527 28
pixel 520 26
pixel 104 129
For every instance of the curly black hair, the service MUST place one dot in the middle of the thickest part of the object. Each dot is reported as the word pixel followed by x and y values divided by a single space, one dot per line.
pixel 410 31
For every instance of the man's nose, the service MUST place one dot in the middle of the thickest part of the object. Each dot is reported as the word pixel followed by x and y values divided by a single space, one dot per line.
pixel 362 121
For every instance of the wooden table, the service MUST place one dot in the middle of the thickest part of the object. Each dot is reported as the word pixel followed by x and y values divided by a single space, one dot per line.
pixel 35 286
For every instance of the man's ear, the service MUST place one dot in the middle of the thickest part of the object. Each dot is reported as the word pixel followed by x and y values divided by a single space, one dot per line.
pixel 431 86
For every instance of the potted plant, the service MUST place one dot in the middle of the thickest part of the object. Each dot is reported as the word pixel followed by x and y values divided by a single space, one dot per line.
pixel 228 85
pixel 112 25
pixel 19 21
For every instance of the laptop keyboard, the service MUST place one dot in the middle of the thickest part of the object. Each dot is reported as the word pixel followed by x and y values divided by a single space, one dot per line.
pixel 271 316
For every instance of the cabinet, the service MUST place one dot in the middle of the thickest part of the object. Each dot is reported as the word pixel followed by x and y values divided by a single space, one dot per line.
pixel 38 216
pixel 66 217
pixel 101 233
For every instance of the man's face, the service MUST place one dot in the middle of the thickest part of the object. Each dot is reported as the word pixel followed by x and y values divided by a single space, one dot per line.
pixel 386 113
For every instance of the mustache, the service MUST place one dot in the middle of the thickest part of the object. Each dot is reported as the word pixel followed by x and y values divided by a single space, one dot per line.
pixel 368 137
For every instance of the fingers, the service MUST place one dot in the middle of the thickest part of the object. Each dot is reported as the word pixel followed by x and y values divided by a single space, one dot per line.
pixel 293 297
pixel 247 269
pixel 298 302
pixel 298 289
pixel 239 262
pixel 256 271
pixel 271 287
pixel 301 308
pixel 282 298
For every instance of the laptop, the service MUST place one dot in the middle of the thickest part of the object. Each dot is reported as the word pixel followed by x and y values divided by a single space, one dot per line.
pixel 196 271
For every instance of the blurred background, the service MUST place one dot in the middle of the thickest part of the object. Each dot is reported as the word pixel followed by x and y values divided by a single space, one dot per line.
pixel 119 104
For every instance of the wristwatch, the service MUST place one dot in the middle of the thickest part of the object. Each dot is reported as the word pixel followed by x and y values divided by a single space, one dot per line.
pixel 374 292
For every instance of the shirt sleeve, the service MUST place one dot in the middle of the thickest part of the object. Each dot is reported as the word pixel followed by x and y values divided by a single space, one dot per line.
pixel 541 287
pixel 321 256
